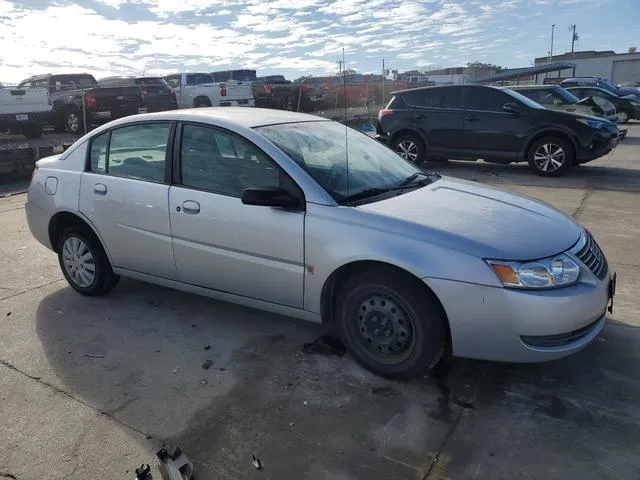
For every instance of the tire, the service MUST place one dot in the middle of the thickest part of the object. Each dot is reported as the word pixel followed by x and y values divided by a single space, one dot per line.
pixel 550 156
pixel 75 244
pixel 624 117
pixel 201 103
pixel 32 130
pixel 73 122
pixel 410 147
pixel 414 339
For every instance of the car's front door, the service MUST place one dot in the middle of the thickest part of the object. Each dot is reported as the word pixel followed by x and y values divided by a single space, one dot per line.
pixel 221 243
pixel 125 194
pixel 490 131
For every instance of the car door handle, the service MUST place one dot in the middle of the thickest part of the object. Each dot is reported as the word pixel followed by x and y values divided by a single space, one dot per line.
pixel 100 189
pixel 471 119
pixel 189 206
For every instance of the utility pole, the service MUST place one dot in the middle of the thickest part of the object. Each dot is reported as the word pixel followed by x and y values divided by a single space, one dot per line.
pixel 383 75
pixel 553 27
pixel 574 37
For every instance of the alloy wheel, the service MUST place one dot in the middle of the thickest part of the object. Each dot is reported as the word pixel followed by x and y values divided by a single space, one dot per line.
pixel 408 150
pixel 623 117
pixel 549 157
pixel 385 328
pixel 79 262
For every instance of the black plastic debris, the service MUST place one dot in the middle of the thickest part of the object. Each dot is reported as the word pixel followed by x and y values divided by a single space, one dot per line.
pixel 207 364
pixel 325 345
pixel 208 347
pixel 143 472
pixel 257 463
pixel 463 404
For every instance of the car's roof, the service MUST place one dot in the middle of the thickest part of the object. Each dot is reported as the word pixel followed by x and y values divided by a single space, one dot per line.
pixel 532 87
pixel 419 89
pixel 247 117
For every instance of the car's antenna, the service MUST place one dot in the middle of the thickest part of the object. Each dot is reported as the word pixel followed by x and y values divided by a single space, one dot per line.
pixel 344 118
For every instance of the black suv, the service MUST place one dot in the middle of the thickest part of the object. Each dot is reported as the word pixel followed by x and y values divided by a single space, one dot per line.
pixel 470 122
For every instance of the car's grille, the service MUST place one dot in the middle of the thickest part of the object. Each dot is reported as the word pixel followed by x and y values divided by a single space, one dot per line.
pixel 592 256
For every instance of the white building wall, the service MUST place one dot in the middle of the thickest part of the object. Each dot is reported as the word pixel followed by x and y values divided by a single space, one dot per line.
pixel 594 67
pixel 455 79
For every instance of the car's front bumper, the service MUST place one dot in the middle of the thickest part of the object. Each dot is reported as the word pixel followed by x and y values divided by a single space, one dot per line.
pixel 511 325
pixel 601 143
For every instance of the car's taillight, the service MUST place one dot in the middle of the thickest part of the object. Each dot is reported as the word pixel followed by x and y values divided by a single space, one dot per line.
pixel 90 98
pixel 384 113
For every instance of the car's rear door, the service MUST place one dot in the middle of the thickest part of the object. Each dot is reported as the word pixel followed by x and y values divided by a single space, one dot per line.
pixel 221 243
pixel 125 195
pixel 438 114
pixel 490 131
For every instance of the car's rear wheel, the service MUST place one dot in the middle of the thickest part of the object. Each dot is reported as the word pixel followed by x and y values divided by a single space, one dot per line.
pixel 391 325
pixel 550 156
pixel 410 147
pixel 84 263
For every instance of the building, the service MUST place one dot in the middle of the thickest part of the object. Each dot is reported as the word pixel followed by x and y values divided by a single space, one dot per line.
pixel 451 75
pixel 615 67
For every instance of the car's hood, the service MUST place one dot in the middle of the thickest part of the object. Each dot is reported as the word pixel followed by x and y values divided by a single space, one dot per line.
pixel 481 221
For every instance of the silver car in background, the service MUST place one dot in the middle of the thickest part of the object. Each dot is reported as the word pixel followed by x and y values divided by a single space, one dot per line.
pixel 305 217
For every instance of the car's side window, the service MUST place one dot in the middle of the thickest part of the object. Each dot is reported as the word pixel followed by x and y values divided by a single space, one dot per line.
pixel 135 151
pixel 221 162
pixel 173 81
pixel 486 99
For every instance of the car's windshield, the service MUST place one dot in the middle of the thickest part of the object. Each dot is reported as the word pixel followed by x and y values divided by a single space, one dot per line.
pixel 607 86
pixel 344 161
pixel 526 100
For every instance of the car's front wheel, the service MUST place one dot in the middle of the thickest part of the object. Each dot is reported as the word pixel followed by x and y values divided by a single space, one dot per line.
pixel 390 323
pixel 410 147
pixel 623 116
pixel 84 263
pixel 550 156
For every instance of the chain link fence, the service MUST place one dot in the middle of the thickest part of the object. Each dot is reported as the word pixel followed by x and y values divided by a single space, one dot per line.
pixel 41 116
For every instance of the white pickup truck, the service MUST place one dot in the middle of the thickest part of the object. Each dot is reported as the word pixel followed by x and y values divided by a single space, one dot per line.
pixel 200 90
pixel 25 110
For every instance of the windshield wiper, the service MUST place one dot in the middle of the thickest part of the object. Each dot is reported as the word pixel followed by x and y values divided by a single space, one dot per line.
pixel 366 193
pixel 410 179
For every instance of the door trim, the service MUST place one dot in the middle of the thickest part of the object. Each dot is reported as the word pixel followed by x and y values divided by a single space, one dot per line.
pixel 224 296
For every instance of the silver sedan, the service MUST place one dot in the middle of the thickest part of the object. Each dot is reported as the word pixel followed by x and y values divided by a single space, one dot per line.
pixel 305 217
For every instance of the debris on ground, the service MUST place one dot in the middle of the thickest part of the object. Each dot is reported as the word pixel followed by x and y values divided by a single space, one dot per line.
pixel 325 345
pixel 257 463
pixel 175 370
pixel 8 314
pixel 203 382
pixel 174 465
pixel 463 404
pixel 206 365
pixel 384 391
pixel 207 347
pixel 93 355
pixel 143 472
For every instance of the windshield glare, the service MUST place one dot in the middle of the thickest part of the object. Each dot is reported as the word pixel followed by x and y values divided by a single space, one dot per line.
pixel 322 149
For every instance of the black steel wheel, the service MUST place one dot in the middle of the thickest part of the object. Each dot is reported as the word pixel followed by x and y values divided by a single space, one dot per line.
pixel 391 324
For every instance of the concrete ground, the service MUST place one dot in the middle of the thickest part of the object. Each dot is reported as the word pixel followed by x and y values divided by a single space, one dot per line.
pixel 90 388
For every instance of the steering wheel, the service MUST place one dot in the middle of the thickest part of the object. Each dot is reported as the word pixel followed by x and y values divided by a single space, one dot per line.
pixel 336 178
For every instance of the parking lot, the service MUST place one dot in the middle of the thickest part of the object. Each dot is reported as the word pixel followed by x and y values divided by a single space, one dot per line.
pixel 92 387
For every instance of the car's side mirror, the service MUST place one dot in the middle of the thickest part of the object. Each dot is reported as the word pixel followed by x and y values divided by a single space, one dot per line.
pixel 511 107
pixel 270 197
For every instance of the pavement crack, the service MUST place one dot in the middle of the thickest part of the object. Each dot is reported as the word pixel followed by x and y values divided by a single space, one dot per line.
pixel 31 289
pixel 588 192
pixel 8 475
pixel 60 391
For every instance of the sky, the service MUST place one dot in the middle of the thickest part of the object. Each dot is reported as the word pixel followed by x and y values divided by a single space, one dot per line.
pixel 298 37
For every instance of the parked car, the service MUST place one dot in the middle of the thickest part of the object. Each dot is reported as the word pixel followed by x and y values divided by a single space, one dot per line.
pixel 274 91
pixel 238 75
pixel 470 122
pixel 601 83
pixel 157 95
pixel 78 95
pixel 305 217
pixel 200 90
pixel 25 110
pixel 627 107
pixel 555 97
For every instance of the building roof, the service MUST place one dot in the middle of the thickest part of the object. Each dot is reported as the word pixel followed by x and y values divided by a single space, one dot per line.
pixel 577 55
pixel 525 72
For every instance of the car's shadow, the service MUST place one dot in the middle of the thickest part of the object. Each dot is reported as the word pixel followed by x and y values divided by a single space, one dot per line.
pixel 138 356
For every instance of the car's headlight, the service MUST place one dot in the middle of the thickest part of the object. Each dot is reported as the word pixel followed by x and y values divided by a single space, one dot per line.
pixel 590 123
pixel 554 272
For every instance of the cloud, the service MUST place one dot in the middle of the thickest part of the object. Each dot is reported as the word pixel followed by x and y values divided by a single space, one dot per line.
pixel 295 36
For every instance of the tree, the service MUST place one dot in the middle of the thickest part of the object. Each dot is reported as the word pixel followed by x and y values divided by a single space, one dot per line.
pixel 478 66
